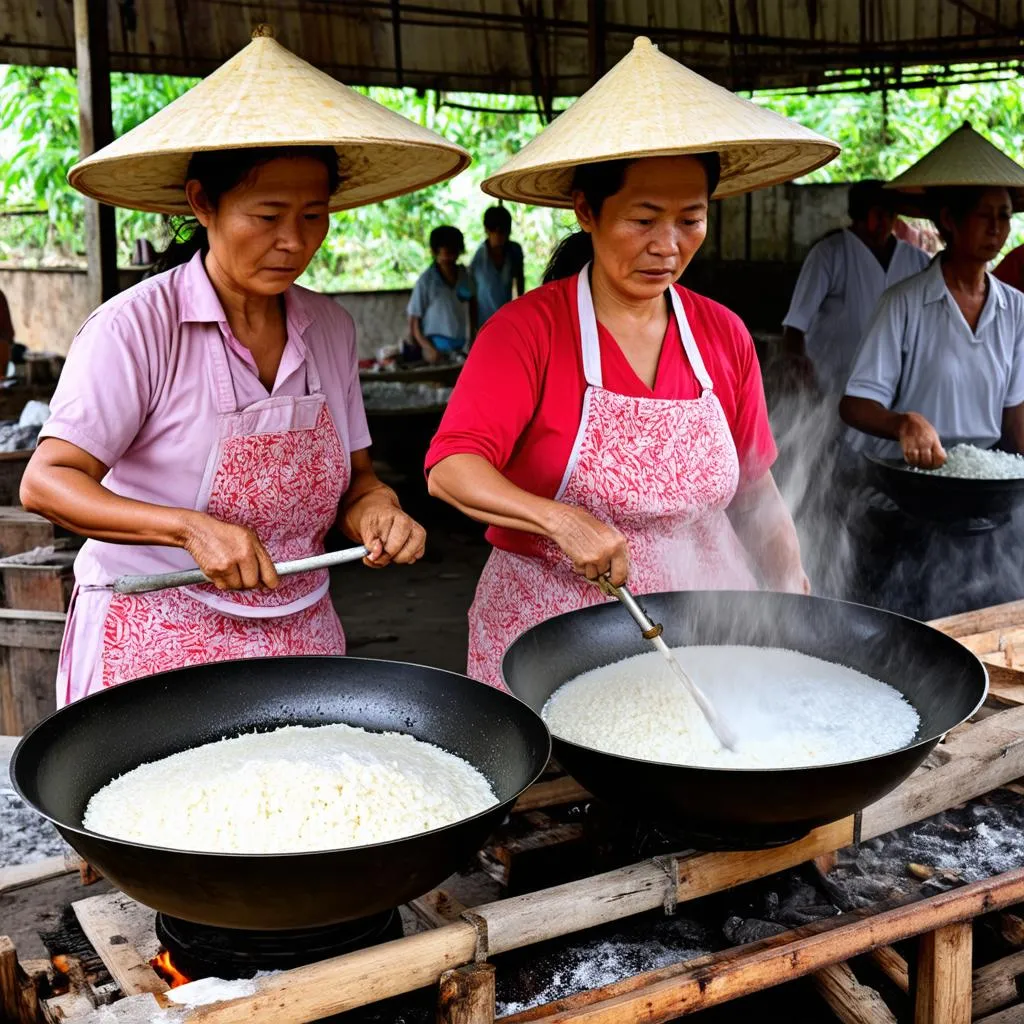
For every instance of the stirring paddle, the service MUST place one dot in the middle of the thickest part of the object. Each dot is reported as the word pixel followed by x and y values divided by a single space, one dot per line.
pixel 652 631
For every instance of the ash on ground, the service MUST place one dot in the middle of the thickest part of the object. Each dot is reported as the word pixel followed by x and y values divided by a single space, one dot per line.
pixel 966 844
pixel 24 836
pixel 565 967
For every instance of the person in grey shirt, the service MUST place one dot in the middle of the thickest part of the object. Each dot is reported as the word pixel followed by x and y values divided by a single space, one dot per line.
pixel 442 311
pixel 497 265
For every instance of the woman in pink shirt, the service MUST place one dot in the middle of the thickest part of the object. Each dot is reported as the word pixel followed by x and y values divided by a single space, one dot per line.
pixel 212 416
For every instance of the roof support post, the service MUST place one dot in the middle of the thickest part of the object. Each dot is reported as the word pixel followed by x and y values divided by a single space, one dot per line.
pixel 95 122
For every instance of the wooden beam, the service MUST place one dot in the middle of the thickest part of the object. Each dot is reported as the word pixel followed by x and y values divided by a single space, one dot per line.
pixel 893 966
pixel 20 876
pixel 848 999
pixel 466 995
pixel 565 790
pixel 943 983
pixel 995 984
pixel 1011 1015
pixel 100 921
pixel 662 995
pixel 95 122
pixel 597 34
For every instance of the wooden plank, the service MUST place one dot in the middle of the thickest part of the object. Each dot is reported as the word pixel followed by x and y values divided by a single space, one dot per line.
pixel 1011 1015
pixel 18 1001
pixel 659 996
pixel 20 876
pixel 994 640
pixel 998 616
pixel 96 130
pixel 466 995
pixel 848 999
pixel 103 925
pixel 982 758
pixel 346 982
pixel 436 908
pixel 893 966
pixel 995 984
pixel 565 790
pixel 943 983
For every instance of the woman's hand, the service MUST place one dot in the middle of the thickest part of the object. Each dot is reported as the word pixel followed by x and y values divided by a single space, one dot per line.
pixel 920 442
pixel 388 533
pixel 232 557
pixel 594 548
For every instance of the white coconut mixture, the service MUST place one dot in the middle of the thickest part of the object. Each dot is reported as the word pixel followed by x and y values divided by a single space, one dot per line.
pixel 295 789
pixel 788 710
pixel 967 462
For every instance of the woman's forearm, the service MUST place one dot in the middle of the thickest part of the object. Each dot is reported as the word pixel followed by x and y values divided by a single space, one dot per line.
pixel 477 489
pixel 71 498
pixel 767 532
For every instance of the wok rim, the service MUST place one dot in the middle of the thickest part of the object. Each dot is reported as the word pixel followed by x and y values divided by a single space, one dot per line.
pixel 985 485
pixel 761 770
pixel 82 831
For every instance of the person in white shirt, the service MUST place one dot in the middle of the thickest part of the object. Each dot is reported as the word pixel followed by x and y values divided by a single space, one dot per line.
pixel 943 362
pixel 840 283
pixel 943 359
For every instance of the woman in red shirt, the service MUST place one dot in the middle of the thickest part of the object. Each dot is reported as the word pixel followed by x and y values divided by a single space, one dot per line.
pixel 612 423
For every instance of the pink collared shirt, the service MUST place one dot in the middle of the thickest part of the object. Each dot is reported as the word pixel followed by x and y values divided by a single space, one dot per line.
pixel 136 393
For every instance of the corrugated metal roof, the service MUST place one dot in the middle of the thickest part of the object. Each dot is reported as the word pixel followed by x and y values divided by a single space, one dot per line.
pixel 541 47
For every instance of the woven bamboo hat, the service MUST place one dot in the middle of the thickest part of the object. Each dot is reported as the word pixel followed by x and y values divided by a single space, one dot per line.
pixel 963 158
pixel 650 105
pixel 267 96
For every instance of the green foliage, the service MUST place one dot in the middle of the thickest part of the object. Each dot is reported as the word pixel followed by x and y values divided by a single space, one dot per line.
pixel 39 131
pixel 385 246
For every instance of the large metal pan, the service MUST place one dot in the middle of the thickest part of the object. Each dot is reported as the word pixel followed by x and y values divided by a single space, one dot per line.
pixel 752 808
pixel 945 499
pixel 60 764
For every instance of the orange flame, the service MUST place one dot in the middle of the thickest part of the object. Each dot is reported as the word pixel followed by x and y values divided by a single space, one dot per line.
pixel 164 966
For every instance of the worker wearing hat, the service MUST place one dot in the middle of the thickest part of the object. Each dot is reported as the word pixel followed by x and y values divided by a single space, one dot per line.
pixel 612 423
pixel 841 281
pixel 941 363
pixel 943 358
pixel 212 414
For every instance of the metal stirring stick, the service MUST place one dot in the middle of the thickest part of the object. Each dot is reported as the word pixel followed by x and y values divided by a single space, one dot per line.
pixel 192 577
pixel 652 631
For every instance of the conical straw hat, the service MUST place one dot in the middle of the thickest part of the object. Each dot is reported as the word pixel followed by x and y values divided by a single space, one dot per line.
pixel 964 158
pixel 650 105
pixel 266 96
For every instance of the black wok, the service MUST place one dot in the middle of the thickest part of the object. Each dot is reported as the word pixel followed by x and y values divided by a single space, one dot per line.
pixel 752 808
pixel 60 764
pixel 945 499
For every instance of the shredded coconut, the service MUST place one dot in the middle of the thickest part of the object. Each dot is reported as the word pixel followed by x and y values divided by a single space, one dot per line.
pixel 294 789
pixel 967 462
pixel 787 710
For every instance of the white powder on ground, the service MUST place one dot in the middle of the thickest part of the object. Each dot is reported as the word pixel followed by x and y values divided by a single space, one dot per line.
pixel 787 709
pixel 967 462
pixel 295 789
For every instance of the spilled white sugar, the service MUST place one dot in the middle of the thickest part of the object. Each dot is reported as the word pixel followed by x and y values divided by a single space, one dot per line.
pixel 295 789
pixel 787 709
pixel 967 462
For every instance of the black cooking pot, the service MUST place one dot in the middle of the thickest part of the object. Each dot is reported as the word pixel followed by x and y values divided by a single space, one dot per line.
pixel 752 808
pixel 946 499
pixel 65 759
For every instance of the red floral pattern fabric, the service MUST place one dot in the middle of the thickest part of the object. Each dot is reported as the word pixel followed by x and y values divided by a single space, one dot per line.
pixel 148 633
pixel 285 485
pixel 663 473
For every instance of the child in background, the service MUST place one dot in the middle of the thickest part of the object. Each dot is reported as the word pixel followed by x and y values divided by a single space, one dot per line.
pixel 440 301
pixel 497 265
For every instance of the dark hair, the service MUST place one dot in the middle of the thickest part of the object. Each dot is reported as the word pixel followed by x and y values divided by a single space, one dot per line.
pixel 497 218
pixel 957 201
pixel 218 172
pixel 865 196
pixel 447 237
pixel 599 182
